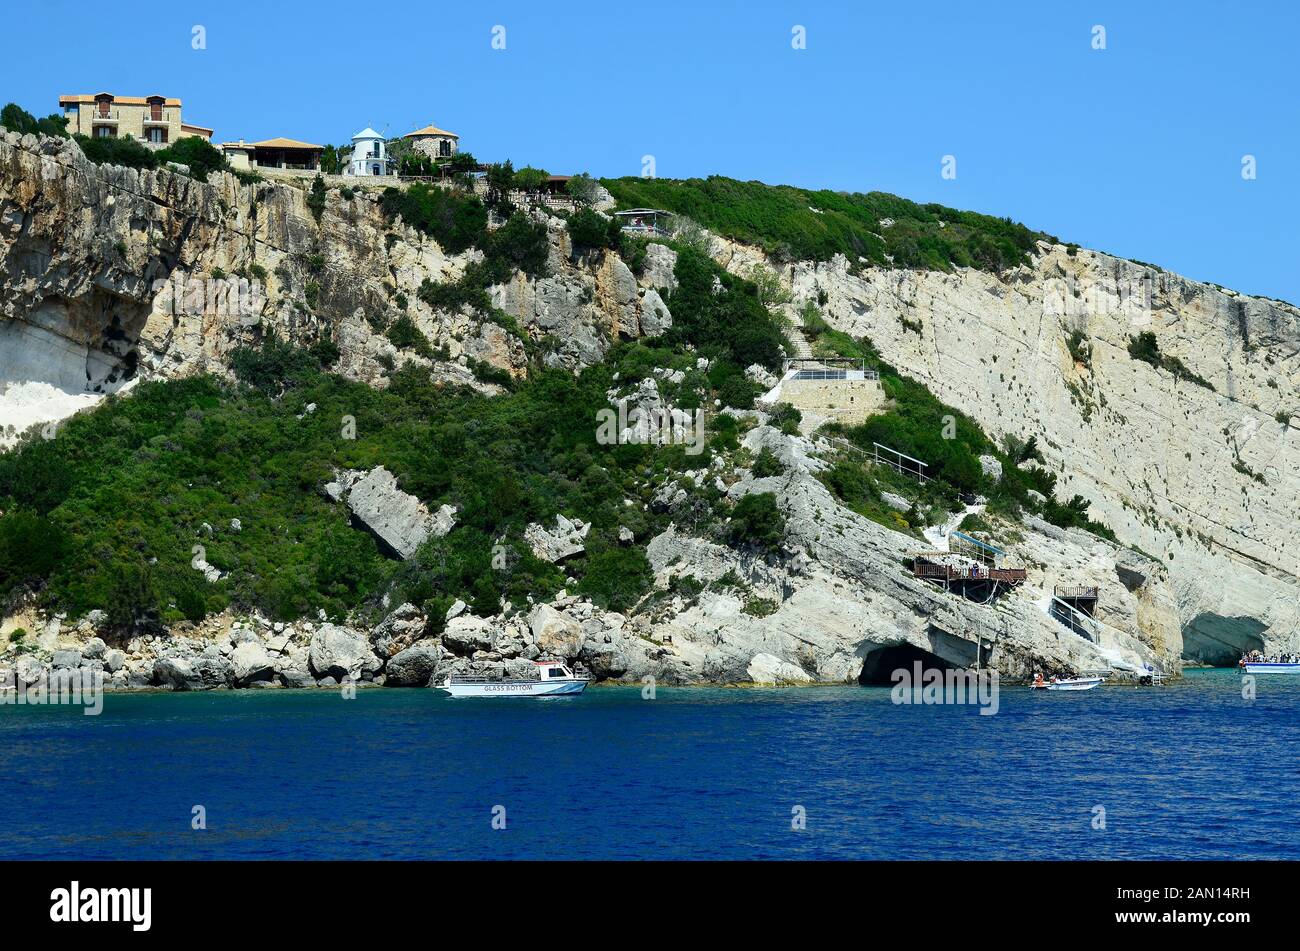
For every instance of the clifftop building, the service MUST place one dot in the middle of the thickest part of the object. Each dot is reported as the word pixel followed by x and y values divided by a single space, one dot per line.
pixel 154 120
pixel 433 142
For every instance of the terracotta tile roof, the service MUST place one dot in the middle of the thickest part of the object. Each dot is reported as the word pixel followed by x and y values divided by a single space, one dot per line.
pixel 201 128
pixel 285 144
pixel 117 100
pixel 431 130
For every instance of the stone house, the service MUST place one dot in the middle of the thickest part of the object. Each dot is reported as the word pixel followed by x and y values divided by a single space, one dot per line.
pixel 153 120
pixel 433 142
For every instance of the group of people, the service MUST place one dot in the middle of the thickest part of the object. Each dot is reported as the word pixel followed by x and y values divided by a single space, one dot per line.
pixel 1257 657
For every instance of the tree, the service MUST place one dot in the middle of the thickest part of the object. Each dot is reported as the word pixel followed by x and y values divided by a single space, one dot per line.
pixel 584 189
pixel 531 180
pixel 17 119
pixel 500 179
pixel 590 229
pixel 114 150
pixel 329 160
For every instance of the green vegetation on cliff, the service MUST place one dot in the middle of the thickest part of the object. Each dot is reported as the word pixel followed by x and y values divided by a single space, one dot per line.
pixel 797 224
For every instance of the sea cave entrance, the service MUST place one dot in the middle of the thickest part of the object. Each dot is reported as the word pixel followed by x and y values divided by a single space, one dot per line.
pixel 1220 641
pixel 879 665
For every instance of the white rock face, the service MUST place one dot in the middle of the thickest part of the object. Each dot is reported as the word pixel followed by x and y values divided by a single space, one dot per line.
pixel 1173 468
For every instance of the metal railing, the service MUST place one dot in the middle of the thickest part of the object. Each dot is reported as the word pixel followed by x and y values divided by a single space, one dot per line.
pixel 1081 591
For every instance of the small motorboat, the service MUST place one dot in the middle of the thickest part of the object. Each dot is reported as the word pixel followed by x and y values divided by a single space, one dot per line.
pixel 553 679
pixel 1269 667
pixel 1066 683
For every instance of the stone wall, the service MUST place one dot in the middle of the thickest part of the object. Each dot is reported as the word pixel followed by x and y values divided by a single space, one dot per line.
pixel 845 401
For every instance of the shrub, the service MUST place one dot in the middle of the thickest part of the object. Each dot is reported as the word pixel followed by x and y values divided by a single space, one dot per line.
pixel 757 522
pixel 316 198
pixel 766 464
pixel 590 229
pixel 796 223
pixel 200 156
pixel 123 151
pixel 406 336
pixel 456 221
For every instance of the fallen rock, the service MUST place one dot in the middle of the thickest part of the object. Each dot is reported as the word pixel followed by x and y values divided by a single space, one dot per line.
pixel 767 669
pixel 466 634
pixel 413 667
pixel 565 541
pixel 402 628
pixel 554 633
pixel 250 662
pixel 340 652
pixel 399 520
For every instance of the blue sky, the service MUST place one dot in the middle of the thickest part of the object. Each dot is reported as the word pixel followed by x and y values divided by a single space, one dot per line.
pixel 1135 149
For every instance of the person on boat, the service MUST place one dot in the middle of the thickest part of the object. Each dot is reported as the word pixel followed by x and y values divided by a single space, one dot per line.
pixel 1038 679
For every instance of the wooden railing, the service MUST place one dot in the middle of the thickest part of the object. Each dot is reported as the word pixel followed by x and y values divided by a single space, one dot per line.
pixel 923 569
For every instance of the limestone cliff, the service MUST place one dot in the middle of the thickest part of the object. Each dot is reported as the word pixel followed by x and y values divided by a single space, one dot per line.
pixel 109 274
pixel 1204 478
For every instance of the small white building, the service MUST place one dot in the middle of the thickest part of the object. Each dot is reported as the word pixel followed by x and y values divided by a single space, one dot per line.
pixel 369 154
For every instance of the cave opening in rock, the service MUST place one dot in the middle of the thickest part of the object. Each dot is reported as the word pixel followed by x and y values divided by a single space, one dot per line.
pixel 1220 641
pixel 879 665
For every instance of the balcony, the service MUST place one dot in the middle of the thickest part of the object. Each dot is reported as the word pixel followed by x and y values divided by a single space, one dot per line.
pixel 112 115
pixel 164 118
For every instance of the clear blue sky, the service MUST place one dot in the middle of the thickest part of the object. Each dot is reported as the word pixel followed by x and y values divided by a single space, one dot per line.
pixel 1135 150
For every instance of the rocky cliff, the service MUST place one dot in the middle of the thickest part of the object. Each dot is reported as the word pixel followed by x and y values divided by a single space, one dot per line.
pixel 1204 475
pixel 107 276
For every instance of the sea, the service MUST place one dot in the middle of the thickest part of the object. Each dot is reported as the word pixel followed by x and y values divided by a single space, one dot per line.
pixel 1191 770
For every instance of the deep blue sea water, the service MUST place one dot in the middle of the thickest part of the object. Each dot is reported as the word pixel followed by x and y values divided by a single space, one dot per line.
pixel 1186 771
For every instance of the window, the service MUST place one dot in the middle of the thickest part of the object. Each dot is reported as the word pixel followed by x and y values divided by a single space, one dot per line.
pixel 556 672
pixel 157 136
pixel 444 147
pixel 103 131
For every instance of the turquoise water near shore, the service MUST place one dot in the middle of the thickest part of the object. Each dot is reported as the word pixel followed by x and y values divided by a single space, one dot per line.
pixel 1186 771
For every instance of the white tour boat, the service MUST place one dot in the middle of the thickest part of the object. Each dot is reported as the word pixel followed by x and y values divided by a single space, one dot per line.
pixel 1066 683
pixel 553 679
pixel 1269 667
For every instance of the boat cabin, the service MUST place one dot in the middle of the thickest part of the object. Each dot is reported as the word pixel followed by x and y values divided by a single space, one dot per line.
pixel 548 669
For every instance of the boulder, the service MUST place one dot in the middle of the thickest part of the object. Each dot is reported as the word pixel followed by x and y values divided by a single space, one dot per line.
pixel 66 658
pixel 466 634
pixel 296 675
pixel 605 661
pixel 250 662
pixel 28 670
pixel 340 652
pixel 555 633
pixel 563 542
pixel 114 660
pixel 192 673
pixel 399 520
pixel 767 669
pixel 992 467
pixel 94 648
pixel 402 628
pixel 413 667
